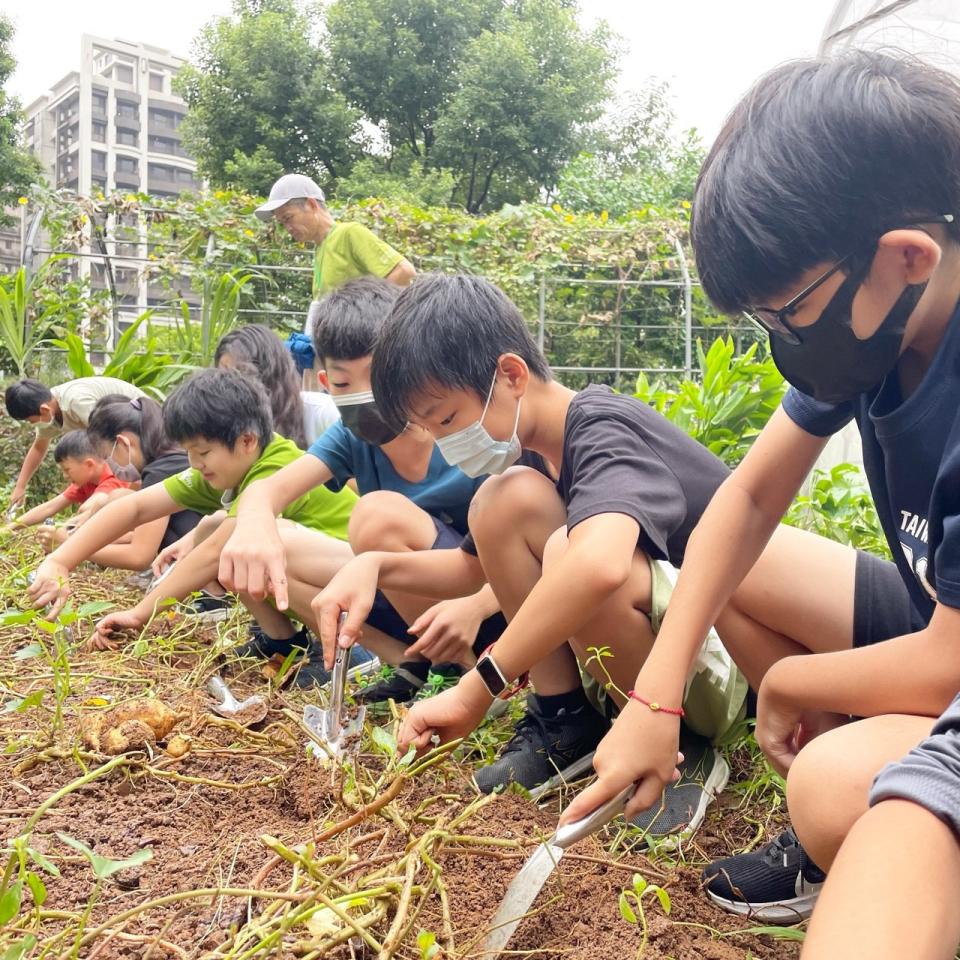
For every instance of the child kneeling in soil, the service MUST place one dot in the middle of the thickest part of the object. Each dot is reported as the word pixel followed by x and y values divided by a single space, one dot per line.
pixel 91 481
pixel 223 420
pixel 411 500
pixel 569 562
pixel 829 210
pixel 54 411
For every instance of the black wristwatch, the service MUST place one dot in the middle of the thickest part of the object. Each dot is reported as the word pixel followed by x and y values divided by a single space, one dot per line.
pixel 491 675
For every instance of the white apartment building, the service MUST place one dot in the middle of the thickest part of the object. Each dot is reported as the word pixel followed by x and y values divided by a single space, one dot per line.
pixel 113 124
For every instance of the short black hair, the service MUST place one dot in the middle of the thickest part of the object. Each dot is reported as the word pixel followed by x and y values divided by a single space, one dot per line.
pixel 115 414
pixel 816 162
pixel 23 399
pixel 75 445
pixel 348 319
pixel 447 331
pixel 219 405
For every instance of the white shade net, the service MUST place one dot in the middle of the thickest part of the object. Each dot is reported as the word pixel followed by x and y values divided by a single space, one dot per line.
pixel 929 29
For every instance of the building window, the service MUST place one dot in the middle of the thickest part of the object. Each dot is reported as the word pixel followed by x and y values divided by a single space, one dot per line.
pixel 156 82
pixel 127 165
pixel 98 132
pixel 98 161
pixel 127 110
pixel 99 103
pixel 123 73
pixel 165 119
pixel 127 138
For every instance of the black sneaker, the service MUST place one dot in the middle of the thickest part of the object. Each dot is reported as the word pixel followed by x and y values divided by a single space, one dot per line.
pixel 778 883
pixel 543 747
pixel 263 647
pixel 683 805
pixel 401 684
pixel 205 606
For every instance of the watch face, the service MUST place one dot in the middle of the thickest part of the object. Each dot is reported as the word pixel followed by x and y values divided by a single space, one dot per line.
pixel 490 675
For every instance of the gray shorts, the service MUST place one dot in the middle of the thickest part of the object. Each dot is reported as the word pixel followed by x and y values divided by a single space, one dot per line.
pixel 930 773
pixel 882 608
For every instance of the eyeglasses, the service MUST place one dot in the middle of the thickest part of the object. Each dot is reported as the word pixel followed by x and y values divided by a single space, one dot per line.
pixel 777 322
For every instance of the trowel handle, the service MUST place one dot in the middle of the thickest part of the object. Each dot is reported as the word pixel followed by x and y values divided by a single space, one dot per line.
pixel 338 682
pixel 572 832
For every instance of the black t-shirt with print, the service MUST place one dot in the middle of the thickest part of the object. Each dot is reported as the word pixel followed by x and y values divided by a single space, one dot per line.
pixel 169 465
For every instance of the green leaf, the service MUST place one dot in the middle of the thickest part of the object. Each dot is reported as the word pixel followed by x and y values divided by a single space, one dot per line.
pixel 664 899
pixel 384 740
pixel 17 618
pixel 427 944
pixel 94 608
pixel 103 867
pixel 626 910
pixel 24 703
pixel 10 902
pixel 42 862
pixel 18 950
pixel 37 888
pixel 28 652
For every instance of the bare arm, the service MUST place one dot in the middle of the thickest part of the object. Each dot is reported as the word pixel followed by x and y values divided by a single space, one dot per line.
pixel 40 512
pixel 402 273
pixel 253 559
pixel 139 553
pixel 33 459
pixel 51 586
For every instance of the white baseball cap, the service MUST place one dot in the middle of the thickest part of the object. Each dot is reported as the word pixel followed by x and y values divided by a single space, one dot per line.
pixel 291 186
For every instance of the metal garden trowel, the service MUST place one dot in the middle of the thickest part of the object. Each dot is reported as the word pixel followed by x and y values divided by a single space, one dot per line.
pixel 245 712
pixel 329 725
pixel 533 874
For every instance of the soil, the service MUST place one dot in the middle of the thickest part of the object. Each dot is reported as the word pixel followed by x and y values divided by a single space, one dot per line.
pixel 212 819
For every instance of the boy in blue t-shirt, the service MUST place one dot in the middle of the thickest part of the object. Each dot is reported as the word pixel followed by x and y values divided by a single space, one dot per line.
pixel 827 211
pixel 410 499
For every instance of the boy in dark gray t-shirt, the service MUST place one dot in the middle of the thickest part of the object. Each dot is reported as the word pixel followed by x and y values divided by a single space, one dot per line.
pixel 572 557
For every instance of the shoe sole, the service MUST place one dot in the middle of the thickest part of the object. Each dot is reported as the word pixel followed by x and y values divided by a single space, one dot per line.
pixel 782 912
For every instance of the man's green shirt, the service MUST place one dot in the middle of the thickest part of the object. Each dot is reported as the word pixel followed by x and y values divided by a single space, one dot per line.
pixel 348 251
pixel 319 509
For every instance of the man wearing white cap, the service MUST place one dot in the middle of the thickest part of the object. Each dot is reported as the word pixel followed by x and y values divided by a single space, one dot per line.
pixel 344 250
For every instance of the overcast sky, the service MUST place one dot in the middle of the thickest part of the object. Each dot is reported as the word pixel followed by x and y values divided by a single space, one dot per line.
pixel 709 51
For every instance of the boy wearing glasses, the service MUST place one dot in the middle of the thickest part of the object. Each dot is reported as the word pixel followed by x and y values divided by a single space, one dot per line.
pixel 826 210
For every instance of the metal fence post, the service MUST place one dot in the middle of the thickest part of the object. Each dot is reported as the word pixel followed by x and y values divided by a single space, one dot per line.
pixel 687 310
pixel 542 311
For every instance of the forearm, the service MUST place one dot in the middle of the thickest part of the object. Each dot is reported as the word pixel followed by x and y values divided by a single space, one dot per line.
pixel 138 553
pixel 41 512
pixel 917 674
pixel 486 600
pixel 32 461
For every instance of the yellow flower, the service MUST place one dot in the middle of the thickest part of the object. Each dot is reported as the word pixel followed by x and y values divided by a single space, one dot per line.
pixel 23 201
pixel 249 233
pixel 557 208
pixel 569 218
pixel 686 204
pixel 604 216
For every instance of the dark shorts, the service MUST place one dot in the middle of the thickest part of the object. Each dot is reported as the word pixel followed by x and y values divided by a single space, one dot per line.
pixel 384 617
pixel 882 608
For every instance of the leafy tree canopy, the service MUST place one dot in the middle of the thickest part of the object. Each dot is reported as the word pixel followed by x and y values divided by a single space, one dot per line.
pixel 18 167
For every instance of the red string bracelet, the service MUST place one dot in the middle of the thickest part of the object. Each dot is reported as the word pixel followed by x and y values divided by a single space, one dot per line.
pixel 656 707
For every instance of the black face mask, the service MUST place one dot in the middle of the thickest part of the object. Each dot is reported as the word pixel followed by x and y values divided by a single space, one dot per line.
pixel 362 418
pixel 831 363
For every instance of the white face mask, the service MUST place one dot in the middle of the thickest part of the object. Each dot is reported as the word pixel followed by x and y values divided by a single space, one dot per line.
pixel 475 452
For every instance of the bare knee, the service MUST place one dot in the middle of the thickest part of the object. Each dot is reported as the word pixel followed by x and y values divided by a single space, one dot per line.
pixel 504 504
pixel 384 520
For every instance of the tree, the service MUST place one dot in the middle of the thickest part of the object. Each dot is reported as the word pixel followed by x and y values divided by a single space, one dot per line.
pixel 262 100
pixel 635 158
pixel 509 130
pixel 498 91
pixel 18 167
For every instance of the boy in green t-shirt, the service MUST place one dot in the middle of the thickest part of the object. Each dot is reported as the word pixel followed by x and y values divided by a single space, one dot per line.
pixel 223 421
